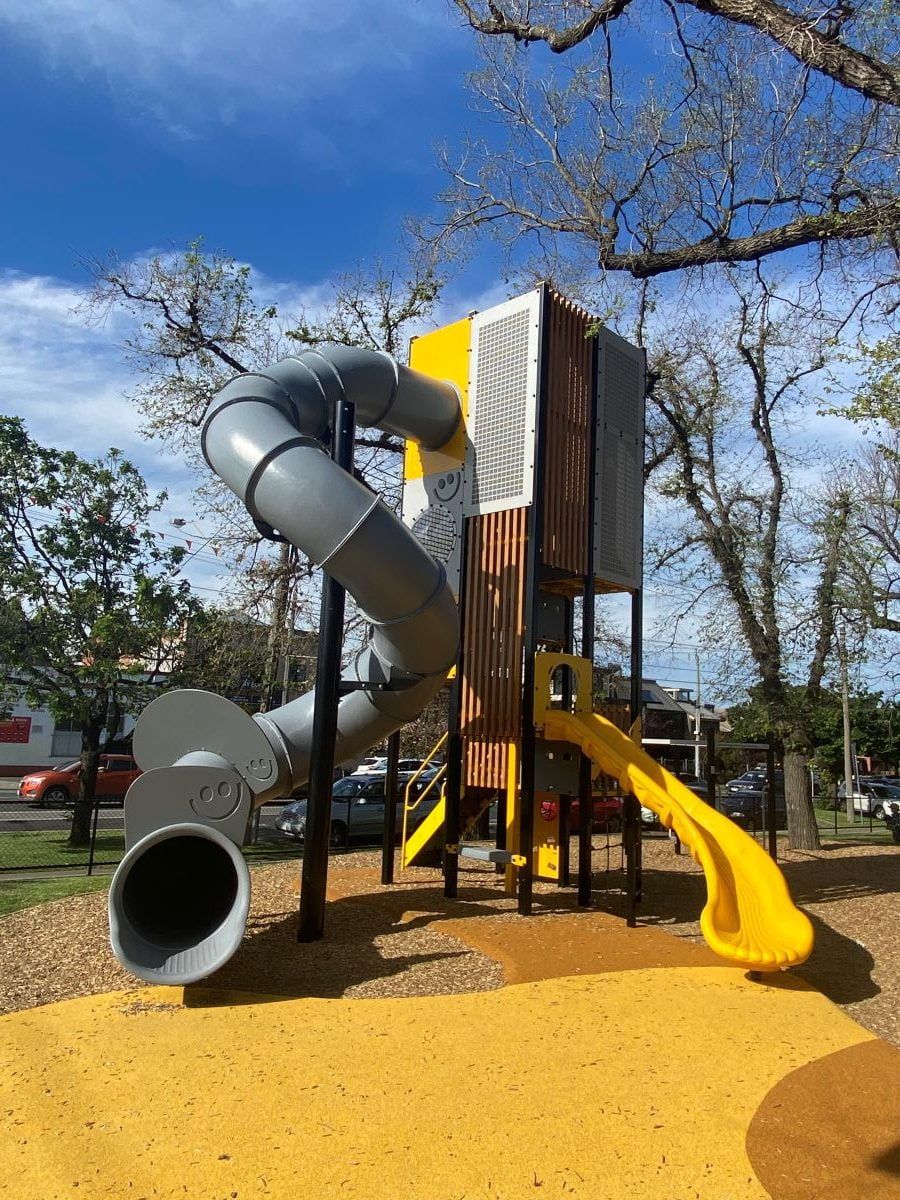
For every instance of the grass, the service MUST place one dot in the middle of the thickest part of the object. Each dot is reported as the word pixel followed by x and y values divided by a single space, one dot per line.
pixel 843 827
pixel 16 894
pixel 50 848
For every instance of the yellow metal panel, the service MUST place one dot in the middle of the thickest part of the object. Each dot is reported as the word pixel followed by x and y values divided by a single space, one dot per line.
pixel 512 812
pixel 545 862
pixel 442 354
pixel 545 666
pixel 426 837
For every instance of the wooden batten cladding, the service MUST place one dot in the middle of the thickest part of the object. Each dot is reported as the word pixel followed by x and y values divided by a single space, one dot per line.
pixel 618 714
pixel 567 523
pixel 491 700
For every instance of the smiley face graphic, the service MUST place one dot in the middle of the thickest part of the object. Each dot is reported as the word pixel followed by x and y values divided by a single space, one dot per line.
pixel 446 486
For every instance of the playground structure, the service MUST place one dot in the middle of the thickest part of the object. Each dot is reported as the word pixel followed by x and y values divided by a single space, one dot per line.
pixel 523 499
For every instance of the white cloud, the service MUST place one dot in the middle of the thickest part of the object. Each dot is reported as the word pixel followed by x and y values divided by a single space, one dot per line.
pixel 65 380
pixel 217 59
pixel 69 383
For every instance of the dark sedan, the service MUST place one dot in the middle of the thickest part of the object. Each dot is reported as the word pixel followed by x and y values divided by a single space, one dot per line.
pixel 357 810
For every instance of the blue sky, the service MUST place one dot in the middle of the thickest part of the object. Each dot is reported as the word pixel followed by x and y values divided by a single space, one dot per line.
pixel 295 137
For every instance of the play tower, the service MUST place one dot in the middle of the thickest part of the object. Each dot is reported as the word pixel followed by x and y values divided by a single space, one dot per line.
pixel 537 509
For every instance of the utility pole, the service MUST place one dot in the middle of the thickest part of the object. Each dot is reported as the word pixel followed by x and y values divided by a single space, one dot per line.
pixel 697 720
pixel 849 772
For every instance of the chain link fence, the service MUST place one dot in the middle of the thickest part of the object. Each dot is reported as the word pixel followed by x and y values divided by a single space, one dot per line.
pixel 34 839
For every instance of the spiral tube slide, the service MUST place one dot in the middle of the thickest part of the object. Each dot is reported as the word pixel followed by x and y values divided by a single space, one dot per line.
pixel 178 902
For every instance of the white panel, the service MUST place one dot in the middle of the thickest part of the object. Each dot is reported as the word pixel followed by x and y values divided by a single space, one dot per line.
pixel 503 383
pixel 433 509
pixel 619 466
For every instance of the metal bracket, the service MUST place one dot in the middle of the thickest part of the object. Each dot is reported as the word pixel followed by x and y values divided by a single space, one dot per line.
pixel 345 686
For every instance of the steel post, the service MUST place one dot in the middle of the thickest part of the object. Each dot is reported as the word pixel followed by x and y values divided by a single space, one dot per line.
pixel 314 874
pixel 390 809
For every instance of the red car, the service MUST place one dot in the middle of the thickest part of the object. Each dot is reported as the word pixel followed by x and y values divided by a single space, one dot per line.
pixel 56 786
pixel 607 813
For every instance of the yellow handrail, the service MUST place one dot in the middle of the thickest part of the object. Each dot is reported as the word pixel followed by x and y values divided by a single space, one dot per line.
pixel 407 807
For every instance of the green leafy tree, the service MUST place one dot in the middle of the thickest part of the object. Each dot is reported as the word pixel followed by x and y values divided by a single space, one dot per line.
pixel 227 652
pixel 91 607
pixel 878 400
pixel 874 726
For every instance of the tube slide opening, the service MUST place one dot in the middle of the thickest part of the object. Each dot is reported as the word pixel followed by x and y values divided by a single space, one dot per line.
pixel 179 891
pixel 178 904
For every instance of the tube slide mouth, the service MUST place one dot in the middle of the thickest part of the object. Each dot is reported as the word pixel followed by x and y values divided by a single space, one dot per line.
pixel 178 904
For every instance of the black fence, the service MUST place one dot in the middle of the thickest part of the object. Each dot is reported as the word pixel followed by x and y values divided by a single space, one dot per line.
pixel 34 839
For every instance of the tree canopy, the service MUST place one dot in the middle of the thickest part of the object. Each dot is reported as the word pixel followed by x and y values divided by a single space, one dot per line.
pixel 667 134
pixel 91 606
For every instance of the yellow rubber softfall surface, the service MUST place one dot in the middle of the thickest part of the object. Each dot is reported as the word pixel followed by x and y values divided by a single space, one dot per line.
pixel 481 1097
pixel 749 917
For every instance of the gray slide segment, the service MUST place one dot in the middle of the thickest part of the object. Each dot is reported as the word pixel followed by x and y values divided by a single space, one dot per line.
pixel 261 437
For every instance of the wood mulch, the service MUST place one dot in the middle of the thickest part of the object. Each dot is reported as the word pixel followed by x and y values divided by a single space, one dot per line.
pixel 399 941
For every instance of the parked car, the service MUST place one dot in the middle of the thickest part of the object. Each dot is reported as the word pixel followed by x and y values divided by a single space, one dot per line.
pixel 754 781
pixel 378 766
pixel 372 765
pixel 697 786
pixel 607 812
pixel 749 809
pixel 870 798
pixel 357 810
pixel 57 786
pixel 289 814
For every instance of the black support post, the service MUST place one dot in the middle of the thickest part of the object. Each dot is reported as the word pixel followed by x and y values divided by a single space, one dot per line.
pixel 454 778
pixel 712 796
pixel 532 607
pixel 588 599
pixel 631 808
pixel 390 809
pixel 324 732
pixel 453 791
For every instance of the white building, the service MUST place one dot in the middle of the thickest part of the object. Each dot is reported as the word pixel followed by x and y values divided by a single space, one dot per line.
pixel 32 738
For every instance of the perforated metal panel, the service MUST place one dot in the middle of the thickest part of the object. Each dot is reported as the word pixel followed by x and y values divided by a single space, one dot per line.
pixel 432 508
pixel 619 510
pixel 502 404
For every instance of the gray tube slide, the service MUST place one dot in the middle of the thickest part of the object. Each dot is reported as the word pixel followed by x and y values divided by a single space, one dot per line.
pixel 179 900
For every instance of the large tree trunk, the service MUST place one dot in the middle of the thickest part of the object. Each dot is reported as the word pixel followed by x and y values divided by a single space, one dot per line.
pixel 803 830
pixel 80 833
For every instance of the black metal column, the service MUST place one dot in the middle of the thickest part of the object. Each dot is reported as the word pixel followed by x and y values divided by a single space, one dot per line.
pixel 532 607
pixel 328 669
pixel 712 796
pixel 588 601
pixel 454 779
pixel 631 810
pixel 390 809
pixel 453 790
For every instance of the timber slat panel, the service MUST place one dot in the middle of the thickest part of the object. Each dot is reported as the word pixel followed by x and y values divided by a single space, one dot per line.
pixel 492 658
pixel 566 518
